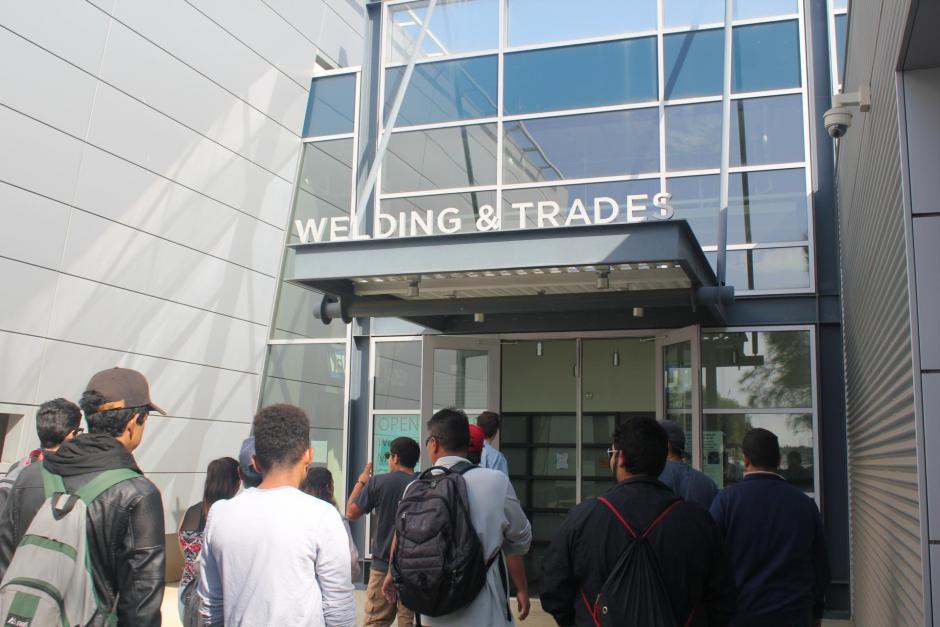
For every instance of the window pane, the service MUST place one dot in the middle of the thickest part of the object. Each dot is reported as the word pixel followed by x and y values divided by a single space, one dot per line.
pixel 440 158
pixel 312 377
pixel 460 378
pixel 456 26
pixel 767 130
pixel 293 316
pixel 331 105
pixel 542 21
pixel 449 213
pixel 693 136
pixel 841 22
pixel 767 269
pixel 577 146
pixel 765 369
pixel 693 12
pixel 765 56
pixel 385 429
pixel 567 196
pixel 763 207
pixel 747 9
pixel 588 75
pixel 724 433
pixel 397 375
pixel 444 91
pixel 693 63
pixel 840 4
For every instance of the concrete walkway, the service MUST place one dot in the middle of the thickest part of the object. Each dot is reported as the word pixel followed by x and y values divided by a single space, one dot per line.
pixel 537 618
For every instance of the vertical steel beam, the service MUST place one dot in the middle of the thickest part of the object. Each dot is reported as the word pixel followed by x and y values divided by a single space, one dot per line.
pixel 725 149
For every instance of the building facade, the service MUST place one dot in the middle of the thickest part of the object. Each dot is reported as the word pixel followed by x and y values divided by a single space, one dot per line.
pixel 513 205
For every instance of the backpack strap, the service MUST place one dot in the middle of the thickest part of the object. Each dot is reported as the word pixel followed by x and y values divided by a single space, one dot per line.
pixel 104 480
pixel 52 483
pixel 649 529
pixel 462 468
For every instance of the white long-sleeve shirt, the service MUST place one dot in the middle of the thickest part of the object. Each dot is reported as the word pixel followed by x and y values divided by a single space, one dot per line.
pixel 276 557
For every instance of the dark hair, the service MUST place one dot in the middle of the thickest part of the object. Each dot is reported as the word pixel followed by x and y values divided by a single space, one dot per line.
pixel 282 436
pixel 111 422
pixel 489 421
pixel 55 420
pixel 221 482
pixel 762 448
pixel 451 429
pixel 644 444
pixel 319 483
pixel 407 450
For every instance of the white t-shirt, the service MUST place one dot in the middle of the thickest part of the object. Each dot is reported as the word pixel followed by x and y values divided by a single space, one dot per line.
pixel 276 557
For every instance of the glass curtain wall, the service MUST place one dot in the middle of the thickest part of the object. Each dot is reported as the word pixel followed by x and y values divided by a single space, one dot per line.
pixel 307 360
pixel 838 22
pixel 545 101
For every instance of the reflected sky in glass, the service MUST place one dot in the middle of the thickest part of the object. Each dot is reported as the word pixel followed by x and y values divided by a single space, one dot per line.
pixel 841 23
pixel 456 26
pixel 767 268
pixel 574 77
pixel 543 21
pixel 578 146
pixel 325 182
pixel 440 158
pixel 331 105
pixel 444 91
pixel 467 204
pixel 765 56
pixel 693 63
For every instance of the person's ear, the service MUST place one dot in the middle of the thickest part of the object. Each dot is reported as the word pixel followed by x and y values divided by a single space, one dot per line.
pixel 747 460
pixel 255 463
pixel 308 457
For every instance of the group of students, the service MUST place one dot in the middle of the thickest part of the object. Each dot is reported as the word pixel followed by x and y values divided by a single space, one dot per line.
pixel 662 547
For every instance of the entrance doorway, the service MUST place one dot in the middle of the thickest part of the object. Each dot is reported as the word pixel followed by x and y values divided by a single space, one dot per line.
pixel 561 397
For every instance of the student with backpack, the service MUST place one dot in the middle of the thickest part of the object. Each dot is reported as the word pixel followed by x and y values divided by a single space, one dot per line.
pixel 638 555
pixel 82 538
pixel 454 523
pixel 57 421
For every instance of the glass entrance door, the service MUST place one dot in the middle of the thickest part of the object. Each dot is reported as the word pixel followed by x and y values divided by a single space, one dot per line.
pixel 678 381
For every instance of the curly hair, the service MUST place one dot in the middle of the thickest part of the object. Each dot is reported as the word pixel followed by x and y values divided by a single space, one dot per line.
pixel 282 436
pixel 111 422
pixel 55 420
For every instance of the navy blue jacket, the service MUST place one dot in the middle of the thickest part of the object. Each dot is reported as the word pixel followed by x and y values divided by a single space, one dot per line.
pixel 776 545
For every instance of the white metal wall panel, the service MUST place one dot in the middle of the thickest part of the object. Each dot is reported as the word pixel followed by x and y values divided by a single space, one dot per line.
pixel 26 218
pixel 888 583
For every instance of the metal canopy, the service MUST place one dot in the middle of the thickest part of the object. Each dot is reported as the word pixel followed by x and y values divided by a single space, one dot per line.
pixel 445 281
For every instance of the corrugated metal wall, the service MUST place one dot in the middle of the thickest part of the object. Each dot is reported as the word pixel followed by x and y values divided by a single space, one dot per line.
pixel 888 583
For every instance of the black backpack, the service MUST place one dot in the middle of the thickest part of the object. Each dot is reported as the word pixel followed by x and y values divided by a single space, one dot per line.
pixel 634 593
pixel 438 566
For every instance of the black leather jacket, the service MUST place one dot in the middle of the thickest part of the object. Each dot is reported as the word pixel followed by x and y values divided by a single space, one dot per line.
pixel 125 526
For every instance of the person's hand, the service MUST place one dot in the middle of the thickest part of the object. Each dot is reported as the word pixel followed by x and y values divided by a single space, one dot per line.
pixel 366 473
pixel 522 603
pixel 391 594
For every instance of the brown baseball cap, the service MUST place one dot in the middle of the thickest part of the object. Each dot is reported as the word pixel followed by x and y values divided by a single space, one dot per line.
pixel 122 387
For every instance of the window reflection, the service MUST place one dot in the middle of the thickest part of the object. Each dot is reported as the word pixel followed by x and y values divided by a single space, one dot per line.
pixel 769 206
pixel 841 23
pixel 748 9
pixel 331 105
pixel 765 56
pixel 397 375
pixel 444 91
pixel 693 12
pixel 767 268
pixel 600 144
pixel 693 63
pixel 460 378
pixel 442 158
pixel 324 188
pixel 723 459
pixel 450 213
pixel 767 369
pixel 311 376
pixel 456 26
pixel 543 21
pixel 589 75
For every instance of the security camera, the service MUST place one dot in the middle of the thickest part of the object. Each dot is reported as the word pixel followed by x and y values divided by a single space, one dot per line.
pixel 838 119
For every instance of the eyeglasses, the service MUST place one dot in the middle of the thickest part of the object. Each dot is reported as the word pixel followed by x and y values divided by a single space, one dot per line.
pixel 77 430
pixel 388 454
pixel 611 452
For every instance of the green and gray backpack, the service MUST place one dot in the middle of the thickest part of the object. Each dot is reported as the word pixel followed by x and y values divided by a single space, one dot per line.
pixel 49 581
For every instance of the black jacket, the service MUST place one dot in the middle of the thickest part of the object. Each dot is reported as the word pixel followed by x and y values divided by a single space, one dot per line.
pixel 125 525
pixel 591 540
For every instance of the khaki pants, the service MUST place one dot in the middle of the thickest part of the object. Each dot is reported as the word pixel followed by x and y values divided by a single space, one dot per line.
pixel 378 610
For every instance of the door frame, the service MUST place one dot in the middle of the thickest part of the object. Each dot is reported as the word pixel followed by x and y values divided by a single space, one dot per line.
pixel 693 335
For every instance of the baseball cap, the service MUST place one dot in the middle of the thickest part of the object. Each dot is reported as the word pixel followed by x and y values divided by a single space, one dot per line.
pixel 476 439
pixel 250 477
pixel 674 433
pixel 122 388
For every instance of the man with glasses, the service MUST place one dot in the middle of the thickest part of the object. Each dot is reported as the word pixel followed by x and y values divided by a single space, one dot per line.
pixel 57 421
pixel 382 494
pixel 125 523
pixel 686 543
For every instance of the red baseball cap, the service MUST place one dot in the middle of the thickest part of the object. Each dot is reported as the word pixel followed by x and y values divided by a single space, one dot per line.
pixel 476 439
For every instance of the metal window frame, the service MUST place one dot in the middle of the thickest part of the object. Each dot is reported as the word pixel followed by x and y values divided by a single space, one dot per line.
pixel 661 103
